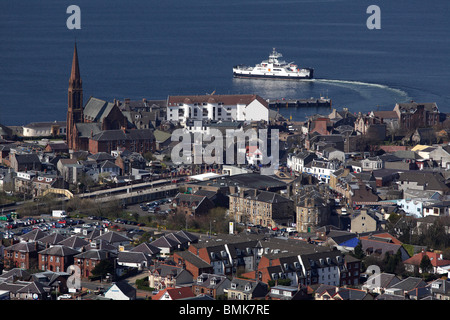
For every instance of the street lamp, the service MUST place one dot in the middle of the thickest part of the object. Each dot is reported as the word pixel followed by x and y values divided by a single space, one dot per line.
pixel 210 227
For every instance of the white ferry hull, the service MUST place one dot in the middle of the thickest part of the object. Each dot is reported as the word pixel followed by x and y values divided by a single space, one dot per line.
pixel 273 68
pixel 243 74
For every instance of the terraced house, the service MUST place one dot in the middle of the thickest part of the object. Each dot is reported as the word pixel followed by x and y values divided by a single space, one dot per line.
pixel 263 208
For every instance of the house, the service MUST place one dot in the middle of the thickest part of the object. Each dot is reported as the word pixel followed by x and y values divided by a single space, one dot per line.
pixel 25 162
pixel 441 155
pixel 129 259
pixel 165 245
pixel 377 283
pixel 44 129
pixel 439 264
pixel 213 285
pixel 414 115
pixel 246 289
pixel 372 163
pixel 57 148
pixel 322 169
pixel 440 289
pixel 422 181
pixel 362 194
pixel 88 260
pixel 56 258
pixel 264 208
pixel 312 210
pixel 217 107
pixel 174 294
pixel 74 242
pixel 191 204
pixel 362 222
pixel 121 291
pixel 167 275
pixel 216 255
pixel 327 268
pixel 162 139
pixel 297 161
pixel 379 244
pixel 437 209
pixel 324 291
pixel 352 294
pixel 404 286
pixel 332 153
pixel 288 293
pixel 114 238
pixel 424 136
pixel 192 263
pixel 25 290
pixel 52 281
pixel 21 255
pixel 147 248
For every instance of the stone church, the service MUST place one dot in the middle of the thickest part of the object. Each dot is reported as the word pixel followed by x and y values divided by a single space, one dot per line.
pixel 100 126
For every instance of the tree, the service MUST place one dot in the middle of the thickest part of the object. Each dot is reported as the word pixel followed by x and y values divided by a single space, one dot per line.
pixel 358 252
pixel 103 268
pixel 425 264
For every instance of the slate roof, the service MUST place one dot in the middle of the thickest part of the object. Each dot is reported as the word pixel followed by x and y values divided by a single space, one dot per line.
pixel 88 129
pixel 264 196
pixel 52 239
pixel 409 284
pixel 191 237
pixel 113 237
pixel 33 235
pixel 23 247
pixel 193 259
pixel 33 287
pixel 133 257
pixel 164 242
pixel 100 244
pixel 59 250
pixel 146 248
pixel 128 135
pixel 125 288
pixel 430 180
pixel 15 273
pixel 94 254
pixel 74 242
pixel 96 110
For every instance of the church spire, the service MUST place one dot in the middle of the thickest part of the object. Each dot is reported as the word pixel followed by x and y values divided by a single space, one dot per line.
pixel 75 78
pixel 75 102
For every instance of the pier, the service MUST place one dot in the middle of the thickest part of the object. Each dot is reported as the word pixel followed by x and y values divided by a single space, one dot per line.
pixel 299 103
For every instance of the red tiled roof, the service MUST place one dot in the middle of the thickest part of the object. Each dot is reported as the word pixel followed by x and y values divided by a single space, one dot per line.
pixel 435 259
pixel 175 293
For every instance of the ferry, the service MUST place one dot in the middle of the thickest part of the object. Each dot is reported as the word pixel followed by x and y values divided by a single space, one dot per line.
pixel 273 68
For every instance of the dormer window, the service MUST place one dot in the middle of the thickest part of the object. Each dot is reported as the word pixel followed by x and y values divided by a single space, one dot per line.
pixel 233 285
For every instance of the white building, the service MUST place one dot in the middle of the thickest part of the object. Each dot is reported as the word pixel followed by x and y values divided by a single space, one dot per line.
pixel 298 161
pixel 44 129
pixel 121 291
pixel 322 169
pixel 217 107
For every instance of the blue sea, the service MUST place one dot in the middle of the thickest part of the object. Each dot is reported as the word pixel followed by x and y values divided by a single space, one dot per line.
pixel 152 49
